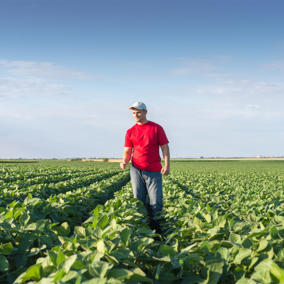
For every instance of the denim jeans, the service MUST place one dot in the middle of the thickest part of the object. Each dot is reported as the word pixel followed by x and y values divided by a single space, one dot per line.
pixel 148 183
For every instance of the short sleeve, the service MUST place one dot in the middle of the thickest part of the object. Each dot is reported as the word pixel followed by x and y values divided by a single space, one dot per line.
pixel 162 137
pixel 128 142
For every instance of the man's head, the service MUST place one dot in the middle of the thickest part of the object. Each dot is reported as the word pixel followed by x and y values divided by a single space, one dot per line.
pixel 139 111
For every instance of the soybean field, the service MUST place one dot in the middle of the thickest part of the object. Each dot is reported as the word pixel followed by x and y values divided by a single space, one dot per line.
pixel 77 222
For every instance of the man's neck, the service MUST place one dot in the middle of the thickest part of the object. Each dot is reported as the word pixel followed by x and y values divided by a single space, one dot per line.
pixel 144 121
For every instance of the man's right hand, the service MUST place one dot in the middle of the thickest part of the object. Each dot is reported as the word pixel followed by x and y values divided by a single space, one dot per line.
pixel 123 165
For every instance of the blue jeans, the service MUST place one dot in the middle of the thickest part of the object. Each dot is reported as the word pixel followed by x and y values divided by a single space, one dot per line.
pixel 148 183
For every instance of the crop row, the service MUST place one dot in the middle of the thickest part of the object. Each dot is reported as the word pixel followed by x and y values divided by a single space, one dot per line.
pixel 206 241
pixel 49 189
pixel 30 227
pixel 45 179
pixel 17 175
pixel 239 226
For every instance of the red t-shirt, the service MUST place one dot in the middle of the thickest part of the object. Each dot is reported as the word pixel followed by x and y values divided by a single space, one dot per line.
pixel 145 140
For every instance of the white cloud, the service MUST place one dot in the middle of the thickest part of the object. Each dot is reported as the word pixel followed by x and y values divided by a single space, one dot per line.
pixel 195 66
pixel 240 89
pixel 273 66
pixel 12 89
pixel 43 69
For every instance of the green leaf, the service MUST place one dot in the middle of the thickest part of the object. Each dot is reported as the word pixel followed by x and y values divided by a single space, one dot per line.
pixel 67 263
pixel 24 219
pixel 4 264
pixel 33 251
pixel 247 243
pixel 253 261
pixel 262 245
pixel 119 274
pixel 60 257
pixel 20 260
pixel 6 248
pixel 30 237
pixel 30 227
pixel 144 231
pixel 277 273
pixel 199 224
pixel 78 264
pixel 239 273
pixel 96 281
pixel 194 257
pixel 103 222
pixel 266 264
pixel 124 235
pixel 215 272
pixel 192 278
pixel 101 246
pixel 70 275
pixel 33 273
pixel 9 214
pixel 46 240
pixel 207 217
pixel 80 232
pixel 96 211
pixel 24 246
pixel 167 250
pixel 98 269
pixel 40 226
pixel 62 230
pixel 243 253
pixel 234 238
pixel 78 281
pixel 262 276
pixel 280 255
pixel 246 281
pixel 59 275
pixel 137 278
pixel 18 212
pixel 53 257
pixel 223 252
pixel 274 233
pixel 158 270
pixel 220 222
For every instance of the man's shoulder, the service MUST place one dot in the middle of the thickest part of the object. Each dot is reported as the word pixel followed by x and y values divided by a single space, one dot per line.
pixel 155 125
pixel 131 128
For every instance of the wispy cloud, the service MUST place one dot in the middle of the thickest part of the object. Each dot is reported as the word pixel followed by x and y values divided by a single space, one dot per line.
pixel 43 70
pixel 243 88
pixel 12 89
pixel 273 66
pixel 195 66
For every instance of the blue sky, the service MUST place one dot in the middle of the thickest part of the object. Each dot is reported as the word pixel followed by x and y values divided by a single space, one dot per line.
pixel 210 72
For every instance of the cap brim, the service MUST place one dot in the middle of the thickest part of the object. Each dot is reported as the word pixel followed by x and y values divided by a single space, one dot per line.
pixel 132 107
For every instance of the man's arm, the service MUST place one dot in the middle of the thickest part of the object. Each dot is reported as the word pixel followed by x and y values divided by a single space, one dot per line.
pixel 166 154
pixel 126 157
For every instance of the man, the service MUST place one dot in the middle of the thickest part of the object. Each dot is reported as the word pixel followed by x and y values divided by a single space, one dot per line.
pixel 143 141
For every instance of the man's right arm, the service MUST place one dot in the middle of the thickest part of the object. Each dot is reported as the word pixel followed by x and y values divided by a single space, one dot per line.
pixel 126 157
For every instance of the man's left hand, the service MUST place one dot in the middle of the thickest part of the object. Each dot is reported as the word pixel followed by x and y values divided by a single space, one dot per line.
pixel 165 170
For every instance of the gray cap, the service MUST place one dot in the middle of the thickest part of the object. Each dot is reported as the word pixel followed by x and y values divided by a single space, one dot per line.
pixel 138 105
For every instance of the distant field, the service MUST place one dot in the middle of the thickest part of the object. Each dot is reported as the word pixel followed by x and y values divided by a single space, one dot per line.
pixel 18 161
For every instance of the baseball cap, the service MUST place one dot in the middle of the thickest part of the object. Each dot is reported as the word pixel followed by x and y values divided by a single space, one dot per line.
pixel 138 105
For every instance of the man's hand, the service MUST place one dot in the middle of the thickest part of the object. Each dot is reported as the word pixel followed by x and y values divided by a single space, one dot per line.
pixel 165 170
pixel 123 165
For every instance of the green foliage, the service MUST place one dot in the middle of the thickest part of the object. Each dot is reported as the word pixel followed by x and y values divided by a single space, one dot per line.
pixel 105 159
pixel 222 223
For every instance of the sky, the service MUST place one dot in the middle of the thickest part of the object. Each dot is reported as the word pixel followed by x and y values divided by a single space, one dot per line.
pixel 210 72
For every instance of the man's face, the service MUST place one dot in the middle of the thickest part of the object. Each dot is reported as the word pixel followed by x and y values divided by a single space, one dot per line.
pixel 139 114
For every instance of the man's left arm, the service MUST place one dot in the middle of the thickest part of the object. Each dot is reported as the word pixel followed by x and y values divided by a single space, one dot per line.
pixel 166 154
